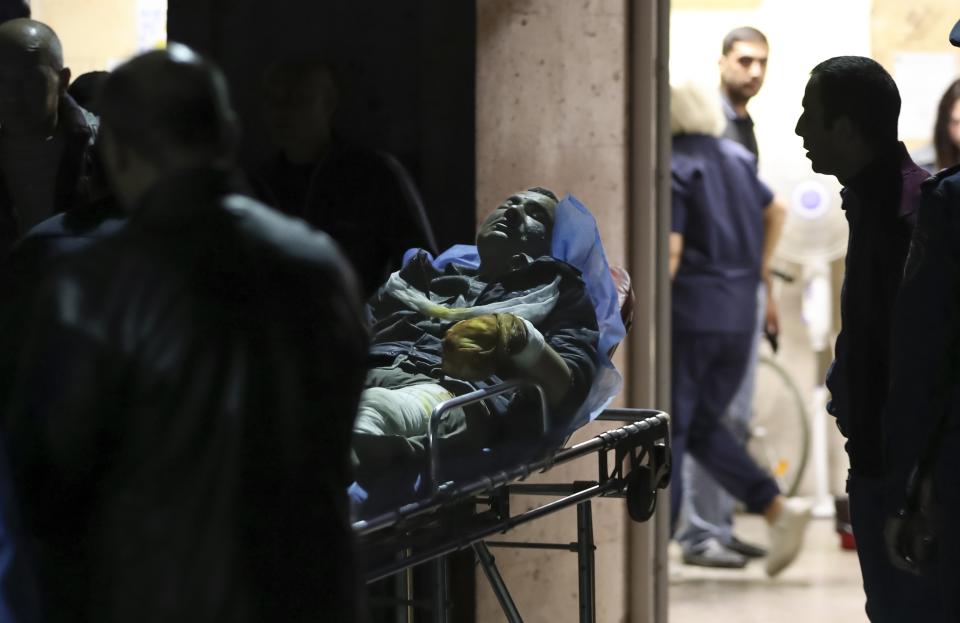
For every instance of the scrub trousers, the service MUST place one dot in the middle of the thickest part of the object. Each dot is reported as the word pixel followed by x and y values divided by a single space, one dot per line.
pixel 707 509
pixel 708 368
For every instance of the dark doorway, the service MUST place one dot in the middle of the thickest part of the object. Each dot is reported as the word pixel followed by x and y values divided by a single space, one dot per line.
pixel 407 69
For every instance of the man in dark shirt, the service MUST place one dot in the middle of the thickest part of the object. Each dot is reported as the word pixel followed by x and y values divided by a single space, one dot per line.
pixel 364 199
pixel 849 129
pixel 743 67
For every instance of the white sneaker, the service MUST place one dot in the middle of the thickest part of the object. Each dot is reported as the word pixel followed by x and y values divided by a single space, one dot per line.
pixel 786 534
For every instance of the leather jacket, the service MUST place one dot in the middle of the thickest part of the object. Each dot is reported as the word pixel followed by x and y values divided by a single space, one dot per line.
pixel 79 176
pixel 181 428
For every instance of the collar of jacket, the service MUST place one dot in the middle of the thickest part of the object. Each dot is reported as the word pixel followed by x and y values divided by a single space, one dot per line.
pixel 184 196
pixel 912 177
pixel 80 129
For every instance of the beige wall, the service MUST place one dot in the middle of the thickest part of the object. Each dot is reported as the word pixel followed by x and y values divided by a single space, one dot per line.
pixel 97 34
pixel 551 111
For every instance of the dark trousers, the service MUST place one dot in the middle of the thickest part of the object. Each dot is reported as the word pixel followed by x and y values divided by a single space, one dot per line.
pixel 893 595
pixel 707 370
pixel 947 495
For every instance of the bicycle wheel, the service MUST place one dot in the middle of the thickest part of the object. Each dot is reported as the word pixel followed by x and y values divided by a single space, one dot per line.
pixel 779 438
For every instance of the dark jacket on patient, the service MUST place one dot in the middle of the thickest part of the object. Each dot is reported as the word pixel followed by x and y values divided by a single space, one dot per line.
pixel 181 428
pixel 404 337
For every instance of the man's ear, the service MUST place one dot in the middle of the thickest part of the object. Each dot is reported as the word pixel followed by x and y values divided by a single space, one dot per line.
pixel 844 128
pixel 64 75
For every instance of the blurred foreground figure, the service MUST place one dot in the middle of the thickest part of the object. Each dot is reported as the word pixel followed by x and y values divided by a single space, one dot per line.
pixel 921 422
pixel 364 199
pixel 182 421
pixel 46 141
pixel 849 128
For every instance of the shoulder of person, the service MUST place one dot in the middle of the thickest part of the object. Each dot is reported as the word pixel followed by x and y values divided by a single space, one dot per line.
pixel 738 152
pixel 282 235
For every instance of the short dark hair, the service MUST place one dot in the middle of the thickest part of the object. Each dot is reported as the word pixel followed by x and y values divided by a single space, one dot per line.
pixel 85 90
pixel 546 192
pixel 168 101
pixel 744 33
pixel 860 89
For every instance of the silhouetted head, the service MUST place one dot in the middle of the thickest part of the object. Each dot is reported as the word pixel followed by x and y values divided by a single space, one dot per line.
pixel 299 99
pixel 164 111
pixel 32 78
pixel 13 9
pixel 850 110
pixel 743 64
pixel 85 89
pixel 521 224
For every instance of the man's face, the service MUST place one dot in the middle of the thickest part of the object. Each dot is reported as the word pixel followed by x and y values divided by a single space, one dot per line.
pixel 824 145
pixel 521 224
pixel 953 125
pixel 297 111
pixel 30 91
pixel 743 69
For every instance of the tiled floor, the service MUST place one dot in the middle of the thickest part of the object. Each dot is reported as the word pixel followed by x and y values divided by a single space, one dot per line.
pixel 822 586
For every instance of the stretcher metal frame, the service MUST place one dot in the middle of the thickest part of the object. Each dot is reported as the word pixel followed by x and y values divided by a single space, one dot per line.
pixel 457 516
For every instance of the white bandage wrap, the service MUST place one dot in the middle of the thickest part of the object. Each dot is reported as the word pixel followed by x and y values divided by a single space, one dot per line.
pixel 530 354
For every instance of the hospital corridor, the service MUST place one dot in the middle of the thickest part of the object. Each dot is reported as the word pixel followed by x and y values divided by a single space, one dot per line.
pixel 470 311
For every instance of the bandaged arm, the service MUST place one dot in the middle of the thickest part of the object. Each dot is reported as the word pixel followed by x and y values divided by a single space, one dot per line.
pixel 538 362
pixel 508 346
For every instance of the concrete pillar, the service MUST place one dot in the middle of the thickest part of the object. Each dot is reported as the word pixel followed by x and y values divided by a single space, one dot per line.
pixel 556 83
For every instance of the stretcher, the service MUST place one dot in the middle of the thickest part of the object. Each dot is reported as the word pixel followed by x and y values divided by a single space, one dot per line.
pixel 632 462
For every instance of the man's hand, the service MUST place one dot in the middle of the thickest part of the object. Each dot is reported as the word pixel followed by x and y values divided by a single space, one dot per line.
pixel 896 540
pixel 771 322
pixel 479 347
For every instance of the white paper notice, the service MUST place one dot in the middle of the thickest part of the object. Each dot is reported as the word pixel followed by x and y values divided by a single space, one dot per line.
pixel 922 78
pixel 151 24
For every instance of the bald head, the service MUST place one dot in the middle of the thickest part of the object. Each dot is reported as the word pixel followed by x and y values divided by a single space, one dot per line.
pixel 30 37
pixel 32 78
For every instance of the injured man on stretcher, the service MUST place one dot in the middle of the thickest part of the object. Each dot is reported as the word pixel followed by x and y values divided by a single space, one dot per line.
pixel 473 317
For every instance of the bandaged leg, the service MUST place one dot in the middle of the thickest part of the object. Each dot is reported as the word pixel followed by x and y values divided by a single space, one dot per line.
pixel 392 423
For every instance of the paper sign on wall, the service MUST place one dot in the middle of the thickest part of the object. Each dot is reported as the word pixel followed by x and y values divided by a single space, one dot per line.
pixel 151 24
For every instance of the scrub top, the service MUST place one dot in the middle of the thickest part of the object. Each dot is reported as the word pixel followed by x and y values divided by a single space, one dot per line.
pixel 718 204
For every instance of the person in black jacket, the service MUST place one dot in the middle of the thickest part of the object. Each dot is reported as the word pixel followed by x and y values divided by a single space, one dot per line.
pixel 849 128
pixel 365 199
pixel 180 428
pixel 921 420
pixel 47 163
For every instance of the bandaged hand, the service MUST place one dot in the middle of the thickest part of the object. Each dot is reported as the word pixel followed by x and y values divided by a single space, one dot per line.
pixel 480 347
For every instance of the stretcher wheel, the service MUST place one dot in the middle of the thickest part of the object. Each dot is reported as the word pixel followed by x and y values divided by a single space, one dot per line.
pixel 641 495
